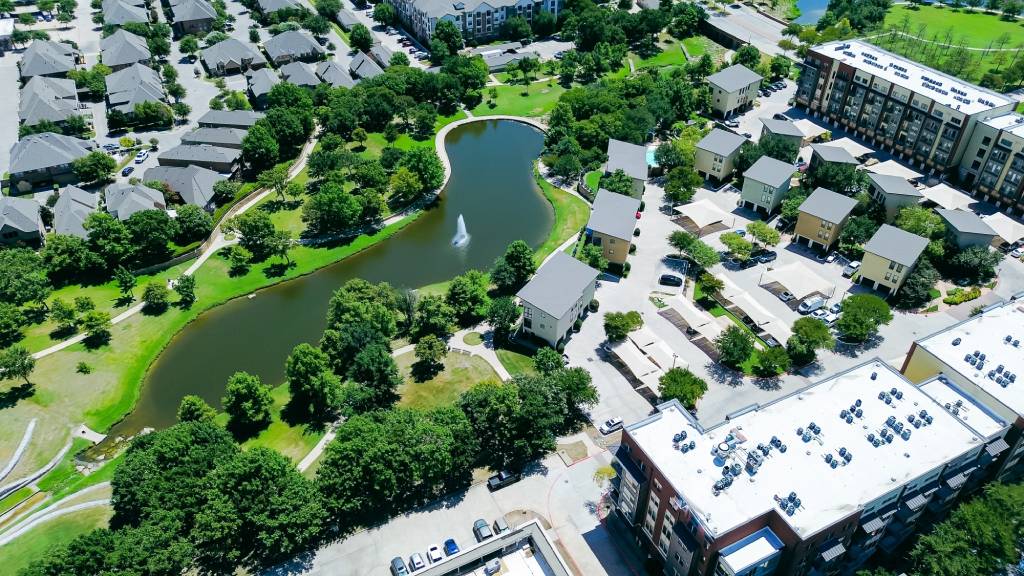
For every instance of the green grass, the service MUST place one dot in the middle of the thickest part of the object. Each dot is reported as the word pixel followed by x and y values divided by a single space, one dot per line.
pixel 461 371
pixel 539 100
pixel 473 339
pixel 695 46
pixel 593 180
pixel 976 28
pixel 34 544
pixel 292 441
pixel 515 362
pixel 670 55
pixel 15 498
pixel 1020 107
pixel 571 215
pixel 934 293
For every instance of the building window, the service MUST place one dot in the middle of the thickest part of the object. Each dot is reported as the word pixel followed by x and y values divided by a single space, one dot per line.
pixel 657 485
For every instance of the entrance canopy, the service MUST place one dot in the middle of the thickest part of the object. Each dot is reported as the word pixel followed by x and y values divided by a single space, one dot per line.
pixel 947 197
pixel 1007 228
pixel 703 213
pixel 798 280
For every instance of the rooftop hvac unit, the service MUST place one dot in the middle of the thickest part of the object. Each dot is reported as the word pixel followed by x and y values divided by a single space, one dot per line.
pixel 859 412
pixel 977 353
pixel 849 419
pixel 999 369
pixel 1016 343
pixel 874 375
pixel 1008 339
pixel 828 458
pixel 991 374
pixel 834 464
pixel 848 456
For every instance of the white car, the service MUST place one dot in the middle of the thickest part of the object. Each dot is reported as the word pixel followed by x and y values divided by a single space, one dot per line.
pixel 434 554
pixel 851 269
pixel 820 314
pixel 1018 252
pixel 830 318
pixel 416 562
pixel 141 156
pixel 611 425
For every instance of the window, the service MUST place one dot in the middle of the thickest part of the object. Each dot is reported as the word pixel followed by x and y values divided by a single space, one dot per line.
pixel 975 165
pixel 986 141
pixel 657 485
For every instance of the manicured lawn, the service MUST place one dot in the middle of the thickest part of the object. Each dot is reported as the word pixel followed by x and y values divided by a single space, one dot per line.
pixel 292 441
pixel 976 28
pixel 15 498
pixel 671 55
pixel 695 46
pixel 515 362
pixel 461 371
pixel 375 143
pixel 538 101
pixel 593 180
pixel 571 215
pixel 473 339
pixel 34 544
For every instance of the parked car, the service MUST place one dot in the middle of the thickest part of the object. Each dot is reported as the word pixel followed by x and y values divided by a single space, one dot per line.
pixel 500 526
pixel 831 257
pixel 766 256
pixel 851 269
pixel 732 123
pixel 670 280
pixel 416 562
pixel 434 554
pixel 493 566
pixel 1017 253
pixel 740 231
pixel 743 264
pixel 786 296
pixel 830 319
pixel 141 156
pixel 836 308
pixel 811 304
pixel 450 547
pixel 611 425
pixel 110 146
pixel 501 479
pixel 127 170
pixel 398 567
pixel 762 92
pixel 820 314
pixel 781 116
pixel 481 530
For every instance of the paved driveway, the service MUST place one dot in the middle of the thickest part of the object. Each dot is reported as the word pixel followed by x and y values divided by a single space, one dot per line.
pixel 390 41
pixel 746 24
pixel 766 107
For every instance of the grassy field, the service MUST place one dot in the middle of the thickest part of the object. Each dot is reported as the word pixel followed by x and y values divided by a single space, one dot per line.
pixel 539 100
pixel 473 339
pixel 695 46
pixel 571 215
pixel 671 55
pixel 460 372
pixel 34 544
pixel 515 362
pixel 292 441
pixel 976 28
pixel 593 180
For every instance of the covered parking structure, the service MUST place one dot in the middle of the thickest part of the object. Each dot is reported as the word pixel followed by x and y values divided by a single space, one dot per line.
pixel 655 349
pixel 1008 229
pixel 894 168
pixel 798 280
pixel 702 217
pixel 640 370
pixel 857 150
pixel 755 316
pixel 948 197
pixel 700 327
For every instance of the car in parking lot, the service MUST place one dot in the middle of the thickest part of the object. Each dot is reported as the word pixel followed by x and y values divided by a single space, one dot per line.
pixel 732 123
pixel 141 156
pixel 416 562
pixel 781 116
pixel 610 425
pixel 670 280
pixel 501 479
pixel 820 314
pixel 836 308
pixel 481 530
pixel 743 264
pixel 785 296
pixel 850 269
pixel 811 304
pixel 127 170
pixel 500 526
pixel 778 85
pixel 765 256
pixel 1018 252
pixel 830 319
pixel 450 547
pixel 434 554
pixel 398 567
pixel 740 231
pixel 110 146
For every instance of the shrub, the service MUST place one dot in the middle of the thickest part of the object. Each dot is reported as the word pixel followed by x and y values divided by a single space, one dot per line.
pixel 959 295
pixel 577 325
pixel 594 305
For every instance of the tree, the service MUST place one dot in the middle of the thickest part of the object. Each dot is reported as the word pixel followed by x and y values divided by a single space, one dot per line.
pixel 737 245
pixel 592 256
pixel 921 221
pixel 398 58
pixel 275 179
pixel 515 28
pixel 331 211
pixel 862 315
pixel 22 277
pixel 809 335
pixel 315 390
pixel 151 231
pixel 467 296
pixel 548 361
pixel 433 316
pixel 156 297
pixel 12 320
pixel 618 182
pixel 772 362
pixel 681 184
pixel 259 511
pixel 384 13
pixel 247 402
pixel 189 45
pixel 857 231
pixel 185 286
pixel 734 345
pixel 195 409
pixel 703 255
pixel 424 163
pixel 748 56
pixel 259 147
pixel 280 245
pixel 375 368
pixel 780 65
pixel 126 282
pixel 95 324
pixel 502 314
pixel 682 385
pixel 64 315
pixel 194 223
pixel 529 419
pixel 917 288
pixel 446 32
pixel 94 167
pixel 764 233
pixel 514 268
pixel 430 350
pixel 68 259
pixel 617 325
pixel 256 230
pixel 361 38
pixel 976 263
pixel 17 362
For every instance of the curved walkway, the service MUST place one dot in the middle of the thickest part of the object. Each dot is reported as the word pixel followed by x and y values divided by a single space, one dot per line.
pixel 20 450
pixel 18 484
pixel 49 514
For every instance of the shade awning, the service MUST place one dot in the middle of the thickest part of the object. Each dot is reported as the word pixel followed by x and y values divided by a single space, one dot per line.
pixel 711 330
pixel 1007 228
pixel 833 552
pixel 694 316
pixel 997 447
pixel 893 168
pixel 753 309
pixel 948 197
pixel 810 129
pixel 778 330
pixel 703 212
pixel 798 280
pixel 856 150
pixel 638 364
pixel 729 289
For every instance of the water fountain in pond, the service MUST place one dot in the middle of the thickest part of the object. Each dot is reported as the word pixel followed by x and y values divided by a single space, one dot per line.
pixel 461 236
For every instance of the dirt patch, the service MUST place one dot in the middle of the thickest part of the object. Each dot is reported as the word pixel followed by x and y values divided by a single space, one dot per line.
pixel 572 453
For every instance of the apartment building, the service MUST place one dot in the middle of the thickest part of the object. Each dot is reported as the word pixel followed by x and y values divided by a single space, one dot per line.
pixel 477 19
pixel 716 154
pixel 765 184
pixel 982 356
pixel 993 163
pixel 889 258
pixel 611 225
pixel 822 217
pixel 733 89
pixel 920 114
pixel 810 484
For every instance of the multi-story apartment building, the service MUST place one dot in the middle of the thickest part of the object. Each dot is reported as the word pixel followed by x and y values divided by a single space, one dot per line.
pixel 477 19
pixel 923 115
pixel 993 162
pixel 813 483
pixel 983 356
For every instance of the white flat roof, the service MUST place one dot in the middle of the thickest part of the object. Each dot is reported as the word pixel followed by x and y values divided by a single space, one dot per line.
pixel 1012 122
pixel 751 554
pixel 893 168
pixel 987 334
pixel 963 406
pixel 826 494
pixel 938 86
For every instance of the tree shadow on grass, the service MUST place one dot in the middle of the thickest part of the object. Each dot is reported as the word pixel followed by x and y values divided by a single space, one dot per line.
pixel 277 205
pixel 422 371
pixel 10 397
pixel 94 341
pixel 154 309
pixel 277 269
pixel 123 301
pixel 62 333
pixel 35 314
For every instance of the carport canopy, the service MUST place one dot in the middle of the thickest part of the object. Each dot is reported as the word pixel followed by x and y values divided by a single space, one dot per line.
pixel 810 129
pixel 642 368
pixel 754 310
pixel 655 348
pixel 798 280
pixel 703 213
pixel 1007 228
pixel 694 316
pixel 948 197
pixel 893 168
pixel 729 289
pixel 778 330
pixel 856 150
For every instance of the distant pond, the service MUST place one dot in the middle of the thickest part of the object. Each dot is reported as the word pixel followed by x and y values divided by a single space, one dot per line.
pixel 811 11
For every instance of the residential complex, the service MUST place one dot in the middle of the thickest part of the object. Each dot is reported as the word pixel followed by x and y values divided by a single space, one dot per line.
pixel 822 217
pixel 930 119
pixel 631 159
pixel 475 18
pixel 889 257
pixel 813 483
pixel 611 225
pixel 556 297
pixel 765 184
pixel 716 154
pixel 733 89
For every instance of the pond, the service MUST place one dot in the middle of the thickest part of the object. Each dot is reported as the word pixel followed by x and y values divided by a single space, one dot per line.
pixel 491 186
pixel 810 11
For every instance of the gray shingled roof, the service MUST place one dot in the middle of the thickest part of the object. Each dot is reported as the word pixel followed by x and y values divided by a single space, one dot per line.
pixel 292 44
pixel 261 81
pixel 734 78
pixel 300 74
pixel 125 199
pixel 896 245
pixel 230 118
pixel 362 66
pixel 193 183
pixel 834 154
pixel 44 58
pixel 21 214
pixel 73 206
pixel 614 214
pixel 782 127
pixel 123 47
pixel 230 137
pixel 558 284
pixel 231 53
pixel 502 60
pixel 630 158
pixel 896 185
pixel 828 205
pixel 269 6
pixel 201 153
pixel 381 53
pixel 346 18
pixel 192 10
pixel 334 74
pixel 768 170
pixel 133 85
pixel 47 150
pixel 118 12
pixel 721 142
pixel 966 222
pixel 46 98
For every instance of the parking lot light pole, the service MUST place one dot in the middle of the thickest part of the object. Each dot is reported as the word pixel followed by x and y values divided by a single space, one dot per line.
pixel 674 357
